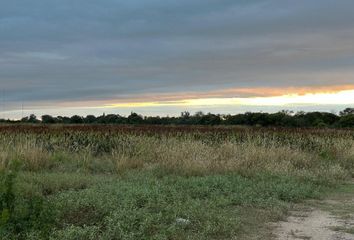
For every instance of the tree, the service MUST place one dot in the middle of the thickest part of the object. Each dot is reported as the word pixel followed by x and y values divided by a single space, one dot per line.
pixel 185 114
pixel 134 118
pixel 110 119
pixel 48 119
pixel 33 119
pixel 24 119
pixel 347 111
pixel 210 119
pixel 238 119
pixel 76 119
pixel 347 121
pixel 64 120
pixel 90 119
pixel 199 114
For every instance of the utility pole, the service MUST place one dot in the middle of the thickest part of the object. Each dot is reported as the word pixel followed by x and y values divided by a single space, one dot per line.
pixel 22 110
pixel 2 104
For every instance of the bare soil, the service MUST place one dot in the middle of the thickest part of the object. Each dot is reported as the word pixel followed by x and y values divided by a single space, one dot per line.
pixel 328 219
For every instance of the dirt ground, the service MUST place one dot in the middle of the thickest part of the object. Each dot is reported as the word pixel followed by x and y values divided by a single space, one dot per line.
pixel 328 219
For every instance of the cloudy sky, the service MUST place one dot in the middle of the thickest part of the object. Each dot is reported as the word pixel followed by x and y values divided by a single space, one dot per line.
pixel 160 57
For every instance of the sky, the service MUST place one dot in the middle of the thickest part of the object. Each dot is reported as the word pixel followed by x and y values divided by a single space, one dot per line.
pixel 161 57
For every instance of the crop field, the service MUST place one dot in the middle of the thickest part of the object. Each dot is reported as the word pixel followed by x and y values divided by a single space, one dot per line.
pixel 153 182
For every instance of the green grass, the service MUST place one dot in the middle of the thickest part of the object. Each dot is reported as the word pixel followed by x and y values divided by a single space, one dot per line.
pixel 147 204
pixel 349 230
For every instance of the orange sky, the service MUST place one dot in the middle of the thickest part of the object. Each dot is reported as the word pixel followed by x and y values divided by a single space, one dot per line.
pixel 325 98
pixel 238 95
pixel 264 96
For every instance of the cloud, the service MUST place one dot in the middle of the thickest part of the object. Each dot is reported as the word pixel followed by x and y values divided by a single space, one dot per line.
pixel 86 50
pixel 45 56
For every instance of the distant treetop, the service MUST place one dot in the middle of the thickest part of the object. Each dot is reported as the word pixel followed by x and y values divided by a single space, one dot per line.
pixel 280 119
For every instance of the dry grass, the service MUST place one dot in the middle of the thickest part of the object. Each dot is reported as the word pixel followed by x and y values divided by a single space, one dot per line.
pixel 331 158
pixel 195 157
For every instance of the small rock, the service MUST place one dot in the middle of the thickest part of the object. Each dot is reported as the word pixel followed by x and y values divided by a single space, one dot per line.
pixel 183 221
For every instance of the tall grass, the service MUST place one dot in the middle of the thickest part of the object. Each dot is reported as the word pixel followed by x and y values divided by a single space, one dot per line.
pixel 308 154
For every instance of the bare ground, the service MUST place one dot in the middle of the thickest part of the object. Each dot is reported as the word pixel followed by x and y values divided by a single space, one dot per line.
pixel 329 219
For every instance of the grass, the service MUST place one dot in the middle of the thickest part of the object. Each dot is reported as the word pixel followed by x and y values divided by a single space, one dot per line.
pixel 100 184
pixel 349 230
pixel 144 205
pixel 341 202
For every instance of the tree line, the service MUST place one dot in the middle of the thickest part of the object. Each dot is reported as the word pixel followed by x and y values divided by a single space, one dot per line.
pixel 283 118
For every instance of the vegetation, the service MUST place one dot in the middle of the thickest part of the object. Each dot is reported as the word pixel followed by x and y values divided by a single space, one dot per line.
pixel 345 119
pixel 155 182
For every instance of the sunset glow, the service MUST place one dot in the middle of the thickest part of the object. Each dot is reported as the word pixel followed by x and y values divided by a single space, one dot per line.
pixel 346 96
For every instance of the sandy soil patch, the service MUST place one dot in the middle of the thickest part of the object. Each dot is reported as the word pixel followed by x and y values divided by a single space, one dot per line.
pixel 312 224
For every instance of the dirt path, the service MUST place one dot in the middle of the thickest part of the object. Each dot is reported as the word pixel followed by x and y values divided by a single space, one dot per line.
pixel 330 219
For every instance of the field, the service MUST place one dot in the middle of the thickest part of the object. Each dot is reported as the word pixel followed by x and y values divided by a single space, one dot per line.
pixel 145 182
